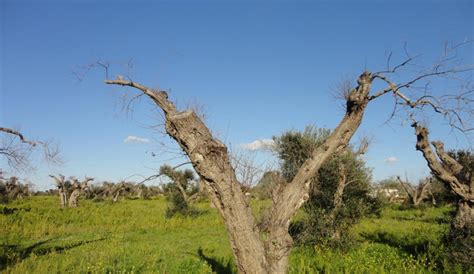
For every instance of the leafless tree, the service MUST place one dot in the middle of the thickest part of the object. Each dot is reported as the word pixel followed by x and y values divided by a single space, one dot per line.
pixel 121 189
pixel 62 189
pixel 260 249
pixel 17 150
pixel 77 187
pixel 417 194
pixel 247 169
pixel 416 96
pixel 210 159
pixel 450 172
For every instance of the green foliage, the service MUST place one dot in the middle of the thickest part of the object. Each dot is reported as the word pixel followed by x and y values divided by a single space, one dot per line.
pixel 461 240
pixel 442 192
pixel 179 206
pixel 178 203
pixel 324 220
pixel 293 148
pixel 466 159
pixel 417 232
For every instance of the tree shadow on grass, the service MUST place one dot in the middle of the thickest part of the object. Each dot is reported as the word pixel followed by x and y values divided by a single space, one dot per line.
pixel 13 254
pixel 216 265
pixel 413 248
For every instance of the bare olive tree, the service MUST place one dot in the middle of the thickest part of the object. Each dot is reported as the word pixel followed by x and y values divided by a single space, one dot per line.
pixel 62 188
pixel 417 96
pixel 118 189
pixel 263 249
pixel 416 194
pixel 449 171
pixel 210 158
pixel 77 189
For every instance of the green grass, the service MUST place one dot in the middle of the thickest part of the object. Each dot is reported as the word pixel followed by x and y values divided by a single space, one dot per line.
pixel 133 236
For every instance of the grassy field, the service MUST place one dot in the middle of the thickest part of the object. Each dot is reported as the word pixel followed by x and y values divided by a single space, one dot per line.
pixel 133 236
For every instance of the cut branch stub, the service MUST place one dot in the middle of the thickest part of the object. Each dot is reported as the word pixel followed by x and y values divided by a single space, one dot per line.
pixel 159 97
pixel 447 161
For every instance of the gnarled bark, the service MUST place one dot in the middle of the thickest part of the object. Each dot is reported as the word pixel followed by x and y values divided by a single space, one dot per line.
pixel 61 185
pixel 448 171
pixel 210 159
pixel 77 189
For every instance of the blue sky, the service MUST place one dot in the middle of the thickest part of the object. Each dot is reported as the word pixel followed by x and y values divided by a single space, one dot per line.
pixel 257 69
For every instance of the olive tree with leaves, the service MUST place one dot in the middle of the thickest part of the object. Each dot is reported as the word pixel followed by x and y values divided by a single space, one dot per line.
pixel 180 190
pixel 339 196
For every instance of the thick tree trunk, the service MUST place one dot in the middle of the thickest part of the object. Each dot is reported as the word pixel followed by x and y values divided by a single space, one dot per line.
pixel 461 236
pixel 341 185
pixel 210 159
pixel 74 198
pixel 78 188
pixel 450 172
pixel 61 189
pixel 464 219
pixel 63 198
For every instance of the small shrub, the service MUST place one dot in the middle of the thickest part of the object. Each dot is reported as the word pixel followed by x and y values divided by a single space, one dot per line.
pixel 179 206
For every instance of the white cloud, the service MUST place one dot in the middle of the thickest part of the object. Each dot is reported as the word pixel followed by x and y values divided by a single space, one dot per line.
pixel 135 140
pixel 391 160
pixel 264 144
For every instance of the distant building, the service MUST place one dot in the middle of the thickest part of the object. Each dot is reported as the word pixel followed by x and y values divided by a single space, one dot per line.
pixel 393 195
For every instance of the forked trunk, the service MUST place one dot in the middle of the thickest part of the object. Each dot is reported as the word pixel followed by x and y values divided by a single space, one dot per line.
pixel 255 251
pixel 451 173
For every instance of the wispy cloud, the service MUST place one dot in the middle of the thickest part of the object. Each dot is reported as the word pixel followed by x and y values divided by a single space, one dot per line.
pixel 263 144
pixel 391 160
pixel 135 140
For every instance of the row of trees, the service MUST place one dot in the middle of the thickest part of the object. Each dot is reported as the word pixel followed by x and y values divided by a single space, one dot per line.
pixel 70 190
